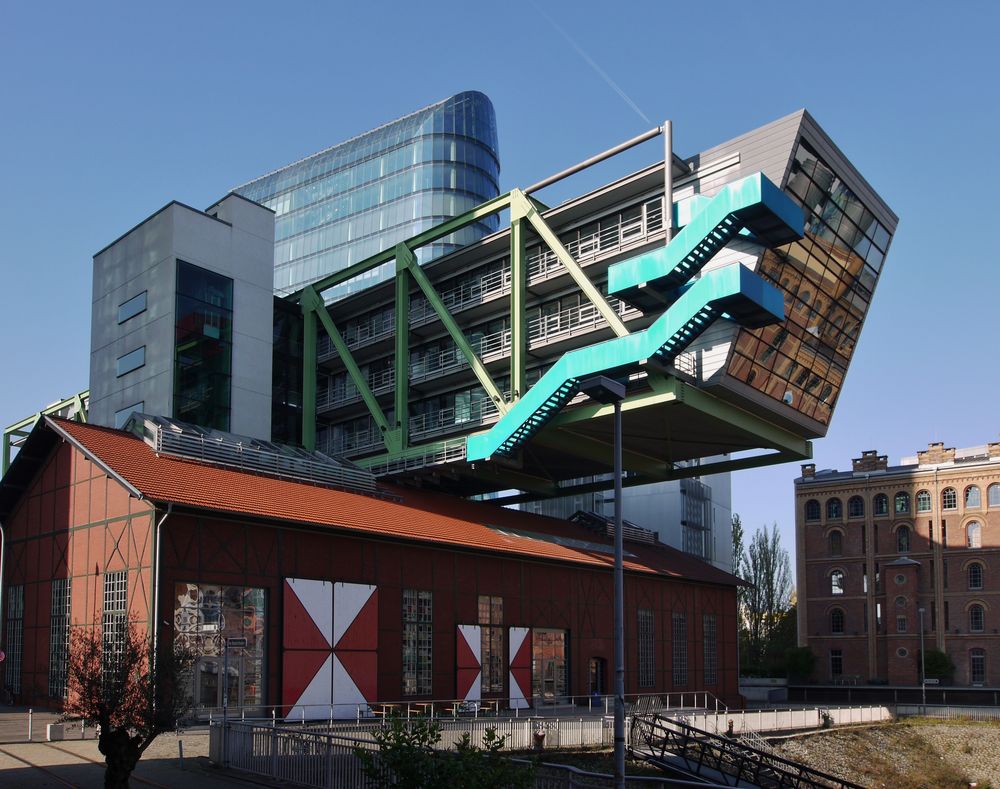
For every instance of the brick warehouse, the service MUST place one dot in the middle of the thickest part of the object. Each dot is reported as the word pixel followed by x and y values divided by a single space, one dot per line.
pixel 428 597
pixel 879 543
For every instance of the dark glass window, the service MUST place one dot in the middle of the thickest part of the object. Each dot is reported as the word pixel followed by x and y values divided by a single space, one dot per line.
pixel 836 662
pixel 836 542
pixel 975 576
pixel 133 360
pixel 203 351
pixel 491 622
pixel 812 510
pixel 977 619
pixel 977 666
pixel 680 650
pixel 881 504
pixel 418 642
pixel 834 510
pixel 837 621
pixel 121 416
pixel 902 502
pixel 710 649
pixel 856 507
pixel 647 673
pixel 134 306
pixel 903 539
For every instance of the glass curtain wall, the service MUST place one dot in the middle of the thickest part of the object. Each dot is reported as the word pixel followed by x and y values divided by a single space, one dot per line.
pixel 358 198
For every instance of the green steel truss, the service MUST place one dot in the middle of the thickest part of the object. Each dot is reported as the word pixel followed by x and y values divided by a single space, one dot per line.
pixel 752 206
pixel 72 408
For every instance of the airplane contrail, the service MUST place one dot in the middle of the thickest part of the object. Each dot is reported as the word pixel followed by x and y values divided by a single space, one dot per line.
pixel 590 62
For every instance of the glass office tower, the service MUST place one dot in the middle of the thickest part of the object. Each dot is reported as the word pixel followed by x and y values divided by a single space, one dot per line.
pixel 351 201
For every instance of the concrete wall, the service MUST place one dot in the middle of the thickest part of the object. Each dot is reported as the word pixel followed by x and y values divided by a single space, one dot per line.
pixel 235 238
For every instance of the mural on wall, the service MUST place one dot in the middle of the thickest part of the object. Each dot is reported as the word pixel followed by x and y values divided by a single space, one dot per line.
pixel 329 643
pixel 520 667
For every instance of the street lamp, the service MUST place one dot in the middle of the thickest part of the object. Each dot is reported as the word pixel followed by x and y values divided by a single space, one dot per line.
pixel 923 664
pixel 607 390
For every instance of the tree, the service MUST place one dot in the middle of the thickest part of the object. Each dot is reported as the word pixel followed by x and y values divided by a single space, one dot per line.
pixel 110 683
pixel 939 665
pixel 406 758
pixel 768 568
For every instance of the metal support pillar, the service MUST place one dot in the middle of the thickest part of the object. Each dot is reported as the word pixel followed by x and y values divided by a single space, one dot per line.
pixel 402 359
pixel 308 376
pixel 619 610
pixel 668 179
pixel 518 318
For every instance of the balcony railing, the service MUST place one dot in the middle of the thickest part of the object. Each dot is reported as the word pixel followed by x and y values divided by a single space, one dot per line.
pixel 456 417
pixel 343 390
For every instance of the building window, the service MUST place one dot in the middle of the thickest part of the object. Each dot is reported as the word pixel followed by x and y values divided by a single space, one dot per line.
pixel 680 650
pixel 902 652
pixel 993 495
pixel 121 417
pixel 903 539
pixel 902 502
pixel 836 663
pixel 900 602
pixel 491 620
pixel 133 360
pixel 203 347
pixel 977 666
pixel 837 582
pixel 418 642
pixel 134 306
pixel 855 507
pixel 812 510
pixel 949 499
pixel 115 621
pixel 14 644
pixel 836 542
pixel 900 624
pixel 974 535
pixel 973 499
pixel 977 618
pixel 834 510
pixel 710 649
pixel 59 638
pixel 647 673
pixel 924 501
pixel 837 621
pixel 881 504
pixel 975 576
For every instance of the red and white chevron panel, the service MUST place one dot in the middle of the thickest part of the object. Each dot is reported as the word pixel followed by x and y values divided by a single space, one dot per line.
pixel 329 648
pixel 468 663
pixel 520 667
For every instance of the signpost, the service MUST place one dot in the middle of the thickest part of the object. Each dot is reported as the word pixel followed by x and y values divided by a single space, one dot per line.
pixel 230 643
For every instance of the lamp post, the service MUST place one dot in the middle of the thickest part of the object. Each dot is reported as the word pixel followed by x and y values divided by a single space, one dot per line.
pixel 923 664
pixel 607 390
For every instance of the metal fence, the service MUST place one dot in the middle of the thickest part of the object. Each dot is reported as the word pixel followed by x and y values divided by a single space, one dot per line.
pixel 781 720
pixel 979 714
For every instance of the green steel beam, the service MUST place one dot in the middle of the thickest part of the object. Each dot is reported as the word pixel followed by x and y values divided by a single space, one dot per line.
pixel 389 435
pixel 518 315
pixel 488 208
pixel 455 332
pixel 23 427
pixel 522 207
pixel 591 448
pixel 401 382
pixel 309 372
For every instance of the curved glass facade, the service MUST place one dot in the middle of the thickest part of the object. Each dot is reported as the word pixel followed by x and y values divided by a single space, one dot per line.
pixel 349 202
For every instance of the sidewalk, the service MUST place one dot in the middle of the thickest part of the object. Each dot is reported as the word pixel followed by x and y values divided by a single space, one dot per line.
pixel 76 762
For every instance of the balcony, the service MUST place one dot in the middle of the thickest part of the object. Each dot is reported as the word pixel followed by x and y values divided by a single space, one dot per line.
pixel 343 391
pixel 454 418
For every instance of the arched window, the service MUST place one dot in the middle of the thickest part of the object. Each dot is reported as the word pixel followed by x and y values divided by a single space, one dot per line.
pixel 977 618
pixel 972 498
pixel 902 502
pixel 812 510
pixel 837 621
pixel 903 539
pixel 836 542
pixel 974 535
pixel 855 507
pixel 975 576
pixel 881 504
pixel 993 495
pixel 834 510
pixel 977 666
pixel 949 499
pixel 924 501
pixel 837 582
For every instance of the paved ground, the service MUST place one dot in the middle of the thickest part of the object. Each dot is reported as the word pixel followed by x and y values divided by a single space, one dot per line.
pixel 76 762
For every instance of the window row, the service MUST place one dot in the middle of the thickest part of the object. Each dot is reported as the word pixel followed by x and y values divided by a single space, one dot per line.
pixel 904 538
pixel 972 498
pixel 974 575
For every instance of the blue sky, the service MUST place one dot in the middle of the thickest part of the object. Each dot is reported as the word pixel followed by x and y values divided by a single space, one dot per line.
pixel 110 110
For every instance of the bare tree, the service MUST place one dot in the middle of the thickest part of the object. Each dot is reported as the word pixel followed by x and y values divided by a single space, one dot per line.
pixel 768 568
pixel 110 683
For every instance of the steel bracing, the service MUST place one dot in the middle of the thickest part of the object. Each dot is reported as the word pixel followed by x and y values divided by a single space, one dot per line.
pixel 74 407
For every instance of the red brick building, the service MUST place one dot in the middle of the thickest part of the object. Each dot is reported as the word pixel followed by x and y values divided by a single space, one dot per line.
pixel 883 549
pixel 344 598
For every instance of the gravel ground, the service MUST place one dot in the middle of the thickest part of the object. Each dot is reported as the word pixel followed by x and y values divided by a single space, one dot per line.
pixel 911 754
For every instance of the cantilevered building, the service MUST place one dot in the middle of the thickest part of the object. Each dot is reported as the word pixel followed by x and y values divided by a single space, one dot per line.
pixel 357 198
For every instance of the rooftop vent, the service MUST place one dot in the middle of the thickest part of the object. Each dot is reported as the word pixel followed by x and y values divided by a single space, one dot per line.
pixel 191 442
pixel 606 526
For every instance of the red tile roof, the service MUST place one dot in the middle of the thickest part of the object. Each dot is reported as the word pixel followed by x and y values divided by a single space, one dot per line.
pixel 417 515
